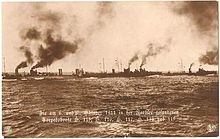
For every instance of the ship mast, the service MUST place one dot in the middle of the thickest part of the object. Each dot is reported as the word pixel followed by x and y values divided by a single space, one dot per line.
pixel 117 63
pixel 121 66
pixel 103 62
pixel 181 66
pixel 4 65
pixel 100 67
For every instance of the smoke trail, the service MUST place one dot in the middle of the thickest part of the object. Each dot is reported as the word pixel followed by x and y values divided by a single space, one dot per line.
pixel 37 33
pixel 30 33
pixel 29 59
pixel 204 15
pixel 21 65
pixel 104 13
pixel 48 33
pixel 210 58
pixel 152 52
pixel 133 59
pixel 191 65
pixel 55 50
pixel 27 54
pixel 27 34
pixel 51 17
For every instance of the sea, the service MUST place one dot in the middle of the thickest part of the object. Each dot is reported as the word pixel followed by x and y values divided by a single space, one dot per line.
pixel 111 107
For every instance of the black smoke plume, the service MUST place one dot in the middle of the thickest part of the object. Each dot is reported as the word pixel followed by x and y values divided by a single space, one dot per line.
pixel 27 34
pixel 190 66
pixel 30 33
pixel 27 54
pixel 48 33
pixel 133 59
pixel 204 15
pixel 152 52
pixel 54 50
pixel 210 58
pixel 29 59
pixel 21 65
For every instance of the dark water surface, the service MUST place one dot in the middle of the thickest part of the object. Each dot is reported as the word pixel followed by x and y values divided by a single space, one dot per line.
pixel 195 98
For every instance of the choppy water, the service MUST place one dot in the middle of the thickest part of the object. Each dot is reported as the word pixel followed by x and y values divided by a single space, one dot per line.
pixel 195 98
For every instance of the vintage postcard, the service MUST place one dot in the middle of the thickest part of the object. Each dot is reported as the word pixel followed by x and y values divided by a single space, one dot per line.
pixel 110 69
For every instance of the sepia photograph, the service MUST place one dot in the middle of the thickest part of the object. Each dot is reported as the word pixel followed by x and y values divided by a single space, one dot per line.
pixel 110 69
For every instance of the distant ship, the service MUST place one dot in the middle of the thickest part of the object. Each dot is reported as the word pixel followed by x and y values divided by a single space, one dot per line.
pixel 79 73
pixel 202 72
pixel 126 73
pixel 9 76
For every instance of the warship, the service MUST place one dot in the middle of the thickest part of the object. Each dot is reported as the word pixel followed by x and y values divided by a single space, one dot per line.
pixel 80 73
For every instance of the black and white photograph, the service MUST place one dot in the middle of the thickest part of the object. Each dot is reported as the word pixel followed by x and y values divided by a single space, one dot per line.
pixel 110 69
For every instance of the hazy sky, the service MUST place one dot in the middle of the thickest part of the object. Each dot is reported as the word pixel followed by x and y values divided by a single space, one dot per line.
pixel 83 33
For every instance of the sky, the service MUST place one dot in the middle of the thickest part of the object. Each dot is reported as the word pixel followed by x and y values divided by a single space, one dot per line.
pixel 161 36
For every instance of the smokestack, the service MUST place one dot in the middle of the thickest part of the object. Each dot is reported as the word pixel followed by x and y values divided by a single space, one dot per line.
pixel 121 66
pixel 4 65
pixel 103 62
pixel 60 72
pixel 117 64
pixel 113 70
pixel 190 70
